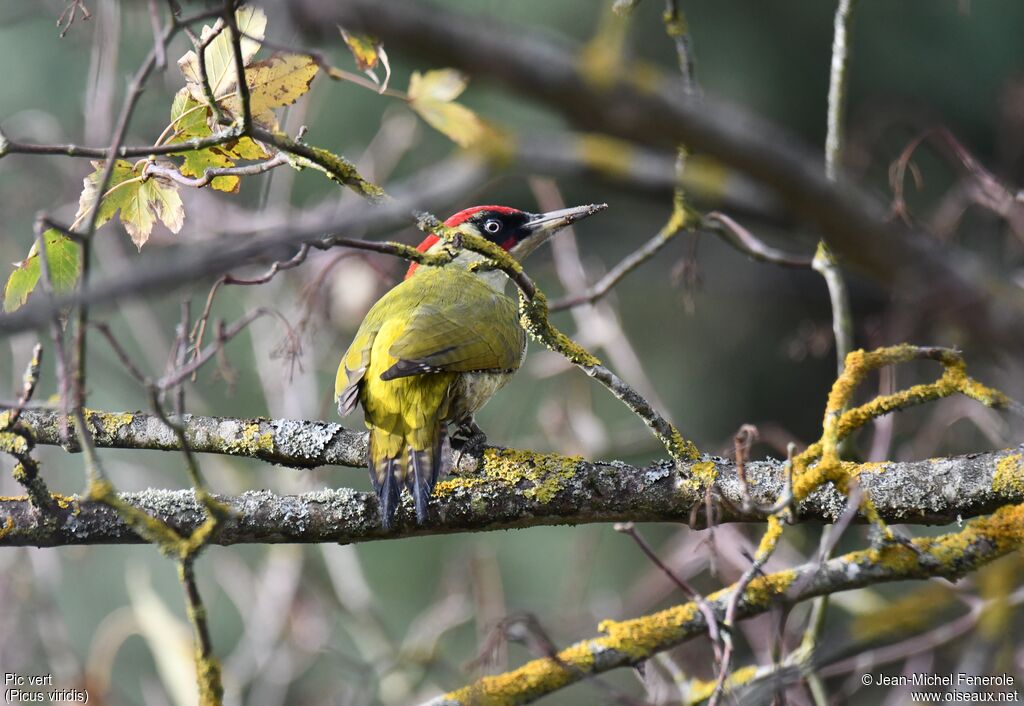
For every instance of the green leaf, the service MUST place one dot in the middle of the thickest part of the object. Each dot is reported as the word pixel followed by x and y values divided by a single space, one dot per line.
pixel 62 256
pixel 219 54
pixel 432 94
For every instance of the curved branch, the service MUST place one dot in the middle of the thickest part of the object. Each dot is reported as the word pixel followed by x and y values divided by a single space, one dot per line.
pixel 632 641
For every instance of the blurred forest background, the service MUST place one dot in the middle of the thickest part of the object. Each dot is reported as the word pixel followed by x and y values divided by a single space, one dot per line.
pixel 714 338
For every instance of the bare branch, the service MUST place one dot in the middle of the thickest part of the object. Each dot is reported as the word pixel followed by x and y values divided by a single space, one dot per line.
pixel 629 263
pixel 837 86
pixel 746 242
pixel 211 173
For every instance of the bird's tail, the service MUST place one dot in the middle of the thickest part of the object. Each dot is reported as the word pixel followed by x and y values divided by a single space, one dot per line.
pixel 396 461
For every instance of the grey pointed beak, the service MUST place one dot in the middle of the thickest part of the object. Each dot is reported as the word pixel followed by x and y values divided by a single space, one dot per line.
pixel 555 220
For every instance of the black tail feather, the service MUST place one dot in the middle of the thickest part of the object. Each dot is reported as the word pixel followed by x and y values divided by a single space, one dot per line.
pixel 388 492
pixel 419 482
pixel 425 468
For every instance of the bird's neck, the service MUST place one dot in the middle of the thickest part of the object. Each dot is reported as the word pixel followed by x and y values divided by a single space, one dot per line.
pixel 469 260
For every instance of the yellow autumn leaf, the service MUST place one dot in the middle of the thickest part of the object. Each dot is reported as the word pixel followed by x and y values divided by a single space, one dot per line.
pixel 276 82
pixel 368 53
pixel 432 94
pixel 219 54
pixel 364 48
pixel 245 148
pixel 440 85
pixel 189 119
pixel 457 122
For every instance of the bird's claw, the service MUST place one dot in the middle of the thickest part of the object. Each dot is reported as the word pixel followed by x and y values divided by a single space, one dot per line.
pixel 469 439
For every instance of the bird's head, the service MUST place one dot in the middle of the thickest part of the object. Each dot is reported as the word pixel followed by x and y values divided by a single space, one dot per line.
pixel 518 232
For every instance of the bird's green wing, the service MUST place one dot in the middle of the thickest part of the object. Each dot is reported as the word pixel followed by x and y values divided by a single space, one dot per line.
pixel 470 327
pixel 354 363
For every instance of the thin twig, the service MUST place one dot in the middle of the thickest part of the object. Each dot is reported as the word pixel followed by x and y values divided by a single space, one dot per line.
pixel 824 263
pixel 240 80
pixel 208 676
pixel 158 35
pixel 178 375
pixel 629 263
pixel 211 173
pixel 837 86
pixel 91 220
pixel 204 75
pixel 331 71
pixel 745 241
pixel 678 31
pixel 628 528
pixel 70 150
pixel 199 329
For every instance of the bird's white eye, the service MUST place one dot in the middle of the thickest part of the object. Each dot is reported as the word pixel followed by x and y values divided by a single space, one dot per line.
pixel 492 226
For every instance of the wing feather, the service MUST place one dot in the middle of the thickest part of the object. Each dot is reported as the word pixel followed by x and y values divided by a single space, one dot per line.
pixel 475 328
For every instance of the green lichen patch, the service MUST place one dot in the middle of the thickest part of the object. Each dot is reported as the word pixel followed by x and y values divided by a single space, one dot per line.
pixel 1003 530
pixel 762 590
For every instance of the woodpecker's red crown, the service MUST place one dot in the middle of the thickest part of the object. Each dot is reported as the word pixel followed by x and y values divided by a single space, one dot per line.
pixel 518 232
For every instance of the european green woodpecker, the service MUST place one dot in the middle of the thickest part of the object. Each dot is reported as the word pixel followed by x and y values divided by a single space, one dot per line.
pixel 434 349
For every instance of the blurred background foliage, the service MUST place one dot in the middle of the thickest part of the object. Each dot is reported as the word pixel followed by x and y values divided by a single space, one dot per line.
pixel 720 339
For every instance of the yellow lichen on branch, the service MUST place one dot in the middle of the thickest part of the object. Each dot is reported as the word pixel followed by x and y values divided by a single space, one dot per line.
pixel 839 424
pixel 544 475
pixel 632 641
pixel 1009 475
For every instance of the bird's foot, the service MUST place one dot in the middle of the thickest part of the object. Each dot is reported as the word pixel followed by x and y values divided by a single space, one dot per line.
pixel 469 438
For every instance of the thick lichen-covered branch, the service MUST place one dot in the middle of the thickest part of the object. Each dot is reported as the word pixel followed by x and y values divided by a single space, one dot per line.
pixel 820 462
pixel 502 489
pixel 623 643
